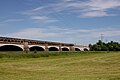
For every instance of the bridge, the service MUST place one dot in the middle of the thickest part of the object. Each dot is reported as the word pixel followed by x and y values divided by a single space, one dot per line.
pixel 16 44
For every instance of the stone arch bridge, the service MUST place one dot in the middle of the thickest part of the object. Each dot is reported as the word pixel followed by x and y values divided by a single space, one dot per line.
pixel 16 44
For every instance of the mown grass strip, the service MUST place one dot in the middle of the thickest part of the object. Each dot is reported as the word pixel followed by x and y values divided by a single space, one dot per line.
pixel 65 66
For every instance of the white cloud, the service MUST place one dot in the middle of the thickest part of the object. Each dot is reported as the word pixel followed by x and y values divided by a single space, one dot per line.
pixel 100 8
pixel 87 8
pixel 67 35
pixel 103 4
pixel 43 19
pixel 94 14
pixel 38 8
pixel 32 33
pixel 11 20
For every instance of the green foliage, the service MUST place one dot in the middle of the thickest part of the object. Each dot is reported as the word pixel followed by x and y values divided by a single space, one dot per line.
pixel 19 54
pixel 45 54
pixel 101 46
pixel 35 51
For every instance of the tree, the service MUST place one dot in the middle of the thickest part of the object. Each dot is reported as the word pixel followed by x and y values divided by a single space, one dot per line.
pixel 101 46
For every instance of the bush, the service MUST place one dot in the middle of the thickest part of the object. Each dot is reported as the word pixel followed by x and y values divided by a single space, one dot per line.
pixel 44 54
pixel 54 54
pixel 33 55
pixel 35 51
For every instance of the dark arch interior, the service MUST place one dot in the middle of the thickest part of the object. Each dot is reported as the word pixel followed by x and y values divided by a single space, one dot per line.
pixel 85 49
pixel 53 49
pixel 10 48
pixel 36 48
pixel 77 49
pixel 65 49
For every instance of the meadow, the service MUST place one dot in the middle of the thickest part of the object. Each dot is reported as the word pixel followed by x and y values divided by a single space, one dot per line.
pixel 60 66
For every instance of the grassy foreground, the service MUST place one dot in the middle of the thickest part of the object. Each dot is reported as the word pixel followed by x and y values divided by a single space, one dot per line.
pixel 77 66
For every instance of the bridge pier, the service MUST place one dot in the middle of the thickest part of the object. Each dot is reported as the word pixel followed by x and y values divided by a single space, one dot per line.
pixel 60 49
pixel 72 48
pixel 46 47
pixel 25 46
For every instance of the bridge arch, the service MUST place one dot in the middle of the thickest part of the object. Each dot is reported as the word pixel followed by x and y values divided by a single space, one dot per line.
pixel 85 49
pixel 10 48
pixel 77 49
pixel 38 48
pixel 65 49
pixel 53 49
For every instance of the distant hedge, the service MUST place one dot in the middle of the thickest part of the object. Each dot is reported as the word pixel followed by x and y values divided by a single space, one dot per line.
pixel 38 54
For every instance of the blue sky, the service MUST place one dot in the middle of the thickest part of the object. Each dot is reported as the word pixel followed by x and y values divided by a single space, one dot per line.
pixel 70 21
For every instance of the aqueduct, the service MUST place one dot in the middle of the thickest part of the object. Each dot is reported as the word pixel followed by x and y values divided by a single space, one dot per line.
pixel 16 44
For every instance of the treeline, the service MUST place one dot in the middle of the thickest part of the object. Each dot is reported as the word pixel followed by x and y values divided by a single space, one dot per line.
pixel 102 46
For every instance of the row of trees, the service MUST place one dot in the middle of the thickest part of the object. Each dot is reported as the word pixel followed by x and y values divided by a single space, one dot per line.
pixel 102 46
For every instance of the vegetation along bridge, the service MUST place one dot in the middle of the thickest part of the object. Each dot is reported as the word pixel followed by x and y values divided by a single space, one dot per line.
pixel 16 44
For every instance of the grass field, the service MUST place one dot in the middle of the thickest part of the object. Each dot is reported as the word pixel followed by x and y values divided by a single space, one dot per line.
pixel 73 66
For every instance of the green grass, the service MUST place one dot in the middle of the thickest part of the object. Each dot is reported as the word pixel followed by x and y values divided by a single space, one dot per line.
pixel 64 66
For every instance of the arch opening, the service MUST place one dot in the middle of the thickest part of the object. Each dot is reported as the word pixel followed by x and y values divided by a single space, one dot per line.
pixel 10 48
pixel 85 49
pixel 53 49
pixel 77 49
pixel 36 48
pixel 65 49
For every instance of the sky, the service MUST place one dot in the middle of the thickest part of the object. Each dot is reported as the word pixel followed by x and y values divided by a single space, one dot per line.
pixel 69 21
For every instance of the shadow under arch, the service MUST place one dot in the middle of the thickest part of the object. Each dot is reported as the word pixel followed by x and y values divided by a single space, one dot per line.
pixel 85 49
pixel 36 48
pixel 53 49
pixel 10 48
pixel 65 49
pixel 77 49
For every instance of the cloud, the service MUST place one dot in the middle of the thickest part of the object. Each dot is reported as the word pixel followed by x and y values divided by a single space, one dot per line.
pixel 85 8
pixel 103 4
pixel 94 14
pixel 68 35
pixel 11 20
pixel 100 8
pixel 43 19
pixel 31 33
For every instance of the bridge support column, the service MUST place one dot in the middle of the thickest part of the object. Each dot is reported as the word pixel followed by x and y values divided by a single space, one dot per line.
pixel 25 46
pixel 72 48
pixel 60 49
pixel 46 47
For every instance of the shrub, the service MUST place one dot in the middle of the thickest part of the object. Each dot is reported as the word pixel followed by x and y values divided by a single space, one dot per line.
pixel 33 55
pixel 44 54
pixel 35 51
